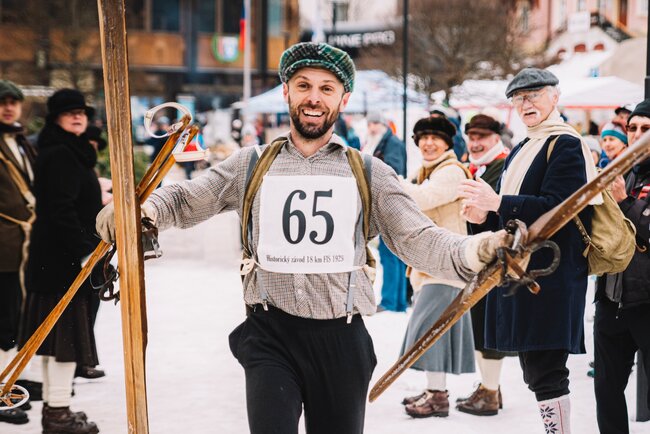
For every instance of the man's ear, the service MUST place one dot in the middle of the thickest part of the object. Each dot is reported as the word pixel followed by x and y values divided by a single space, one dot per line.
pixel 344 101
pixel 285 92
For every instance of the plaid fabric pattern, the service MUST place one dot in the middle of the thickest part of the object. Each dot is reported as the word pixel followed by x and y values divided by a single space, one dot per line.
pixel 321 55
pixel 405 230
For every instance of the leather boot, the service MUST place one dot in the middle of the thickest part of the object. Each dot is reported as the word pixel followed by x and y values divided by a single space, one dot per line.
pixel 459 400
pixel 433 403
pixel 78 414
pixel 482 402
pixel 412 399
pixel 14 416
pixel 60 420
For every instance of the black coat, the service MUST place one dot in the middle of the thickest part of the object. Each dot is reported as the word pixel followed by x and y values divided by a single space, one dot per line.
pixel 68 199
pixel 553 319
pixel 632 286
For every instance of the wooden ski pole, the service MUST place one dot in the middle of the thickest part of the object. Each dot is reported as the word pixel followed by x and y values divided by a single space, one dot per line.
pixel 153 176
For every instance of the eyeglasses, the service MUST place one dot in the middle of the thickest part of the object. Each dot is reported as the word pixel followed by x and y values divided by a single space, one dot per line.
pixel 532 97
pixel 632 128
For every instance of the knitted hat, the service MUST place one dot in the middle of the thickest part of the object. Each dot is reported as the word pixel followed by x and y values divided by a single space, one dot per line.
pixel 65 100
pixel 439 127
pixel 318 55
pixel 641 109
pixel 614 130
pixel 8 88
pixel 531 79
pixel 483 125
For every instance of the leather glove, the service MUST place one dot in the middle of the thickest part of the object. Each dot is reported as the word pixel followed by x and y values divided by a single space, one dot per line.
pixel 105 221
pixel 481 249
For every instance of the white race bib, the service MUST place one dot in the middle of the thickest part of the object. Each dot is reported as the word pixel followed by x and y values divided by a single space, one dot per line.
pixel 307 224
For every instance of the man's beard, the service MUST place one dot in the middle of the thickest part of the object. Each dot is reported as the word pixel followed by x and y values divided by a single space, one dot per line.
pixel 311 132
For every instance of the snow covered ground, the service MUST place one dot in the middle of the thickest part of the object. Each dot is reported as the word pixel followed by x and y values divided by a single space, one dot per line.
pixel 196 386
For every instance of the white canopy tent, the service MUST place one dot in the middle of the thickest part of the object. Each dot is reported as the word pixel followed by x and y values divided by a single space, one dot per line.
pixel 373 91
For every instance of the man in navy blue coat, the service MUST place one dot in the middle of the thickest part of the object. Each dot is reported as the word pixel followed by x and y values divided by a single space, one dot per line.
pixel 545 328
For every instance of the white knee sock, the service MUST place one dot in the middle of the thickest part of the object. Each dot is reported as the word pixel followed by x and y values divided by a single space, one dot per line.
pixel 57 382
pixel 491 373
pixel 6 357
pixel 33 371
pixel 556 414
pixel 436 380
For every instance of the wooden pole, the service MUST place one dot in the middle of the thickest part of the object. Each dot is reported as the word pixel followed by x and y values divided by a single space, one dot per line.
pixel 112 29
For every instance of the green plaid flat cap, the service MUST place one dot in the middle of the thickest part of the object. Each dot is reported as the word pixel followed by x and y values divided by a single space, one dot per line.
pixel 8 88
pixel 318 55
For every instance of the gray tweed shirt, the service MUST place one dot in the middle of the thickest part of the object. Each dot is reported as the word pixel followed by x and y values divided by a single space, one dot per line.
pixel 404 229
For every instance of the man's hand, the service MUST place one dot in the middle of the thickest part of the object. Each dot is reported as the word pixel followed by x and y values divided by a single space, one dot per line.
pixel 473 214
pixel 617 189
pixel 105 221
pixel 482 248
pixel 479 195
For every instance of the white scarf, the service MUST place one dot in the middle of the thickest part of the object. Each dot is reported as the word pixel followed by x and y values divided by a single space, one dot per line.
pixel 513 177
pixel 490 155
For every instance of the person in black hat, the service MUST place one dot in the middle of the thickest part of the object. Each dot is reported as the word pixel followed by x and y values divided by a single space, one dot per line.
pixel 622 319
pixel 17 203
pixel 622 113
pixel 434 190
pixel 68 198
pixel 543 329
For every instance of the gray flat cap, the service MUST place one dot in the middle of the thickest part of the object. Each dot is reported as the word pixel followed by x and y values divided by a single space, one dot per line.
pixel 531 79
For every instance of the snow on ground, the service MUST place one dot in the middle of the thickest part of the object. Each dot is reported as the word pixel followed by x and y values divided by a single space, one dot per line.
pixel 196 386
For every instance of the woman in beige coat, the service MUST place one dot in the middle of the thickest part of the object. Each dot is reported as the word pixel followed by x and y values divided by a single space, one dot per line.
pixel 434 190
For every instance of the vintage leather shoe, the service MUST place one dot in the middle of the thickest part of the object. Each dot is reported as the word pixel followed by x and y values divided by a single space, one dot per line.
pixel 60 420
pixel 433 403
pixel 480 385
pixel 89 372
pixel 412 399
pixel 483 402
pixel 15 416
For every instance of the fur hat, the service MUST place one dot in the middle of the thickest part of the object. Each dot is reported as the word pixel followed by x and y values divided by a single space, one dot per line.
pixel 8 88
pixel 65 100
pixel 439 127
pixel 318 55
pixel 483 125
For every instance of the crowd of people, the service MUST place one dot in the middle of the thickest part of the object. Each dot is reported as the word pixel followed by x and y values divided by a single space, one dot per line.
pixel 303 345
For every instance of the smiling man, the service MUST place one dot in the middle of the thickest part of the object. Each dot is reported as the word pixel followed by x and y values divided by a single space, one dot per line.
pixel 540 172
pixel 307 284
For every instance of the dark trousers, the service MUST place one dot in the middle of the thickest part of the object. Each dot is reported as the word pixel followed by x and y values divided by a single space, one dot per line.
pixel 11 298
pixel 545 373
pixel 616 340
pixel 291 362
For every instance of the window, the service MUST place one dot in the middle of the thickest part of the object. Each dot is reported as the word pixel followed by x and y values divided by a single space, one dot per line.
pixel 275 18
pixel 581 5
pixel 232 13
pixel 206 15
pixel 10 11
pixel 165 15
pixel 642 7
pixel 342 7
pixel 525 16
pixel 135 11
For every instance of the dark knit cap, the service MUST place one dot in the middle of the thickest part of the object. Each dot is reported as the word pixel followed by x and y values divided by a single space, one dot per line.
pixel 641 109
pixel 531 79
pixel 318 55
pixel 65 100
pixel 8 88
pixel 483 125
pixel 439 127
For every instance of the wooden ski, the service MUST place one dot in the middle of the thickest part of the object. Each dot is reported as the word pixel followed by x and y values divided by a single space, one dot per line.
pixel 539 232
